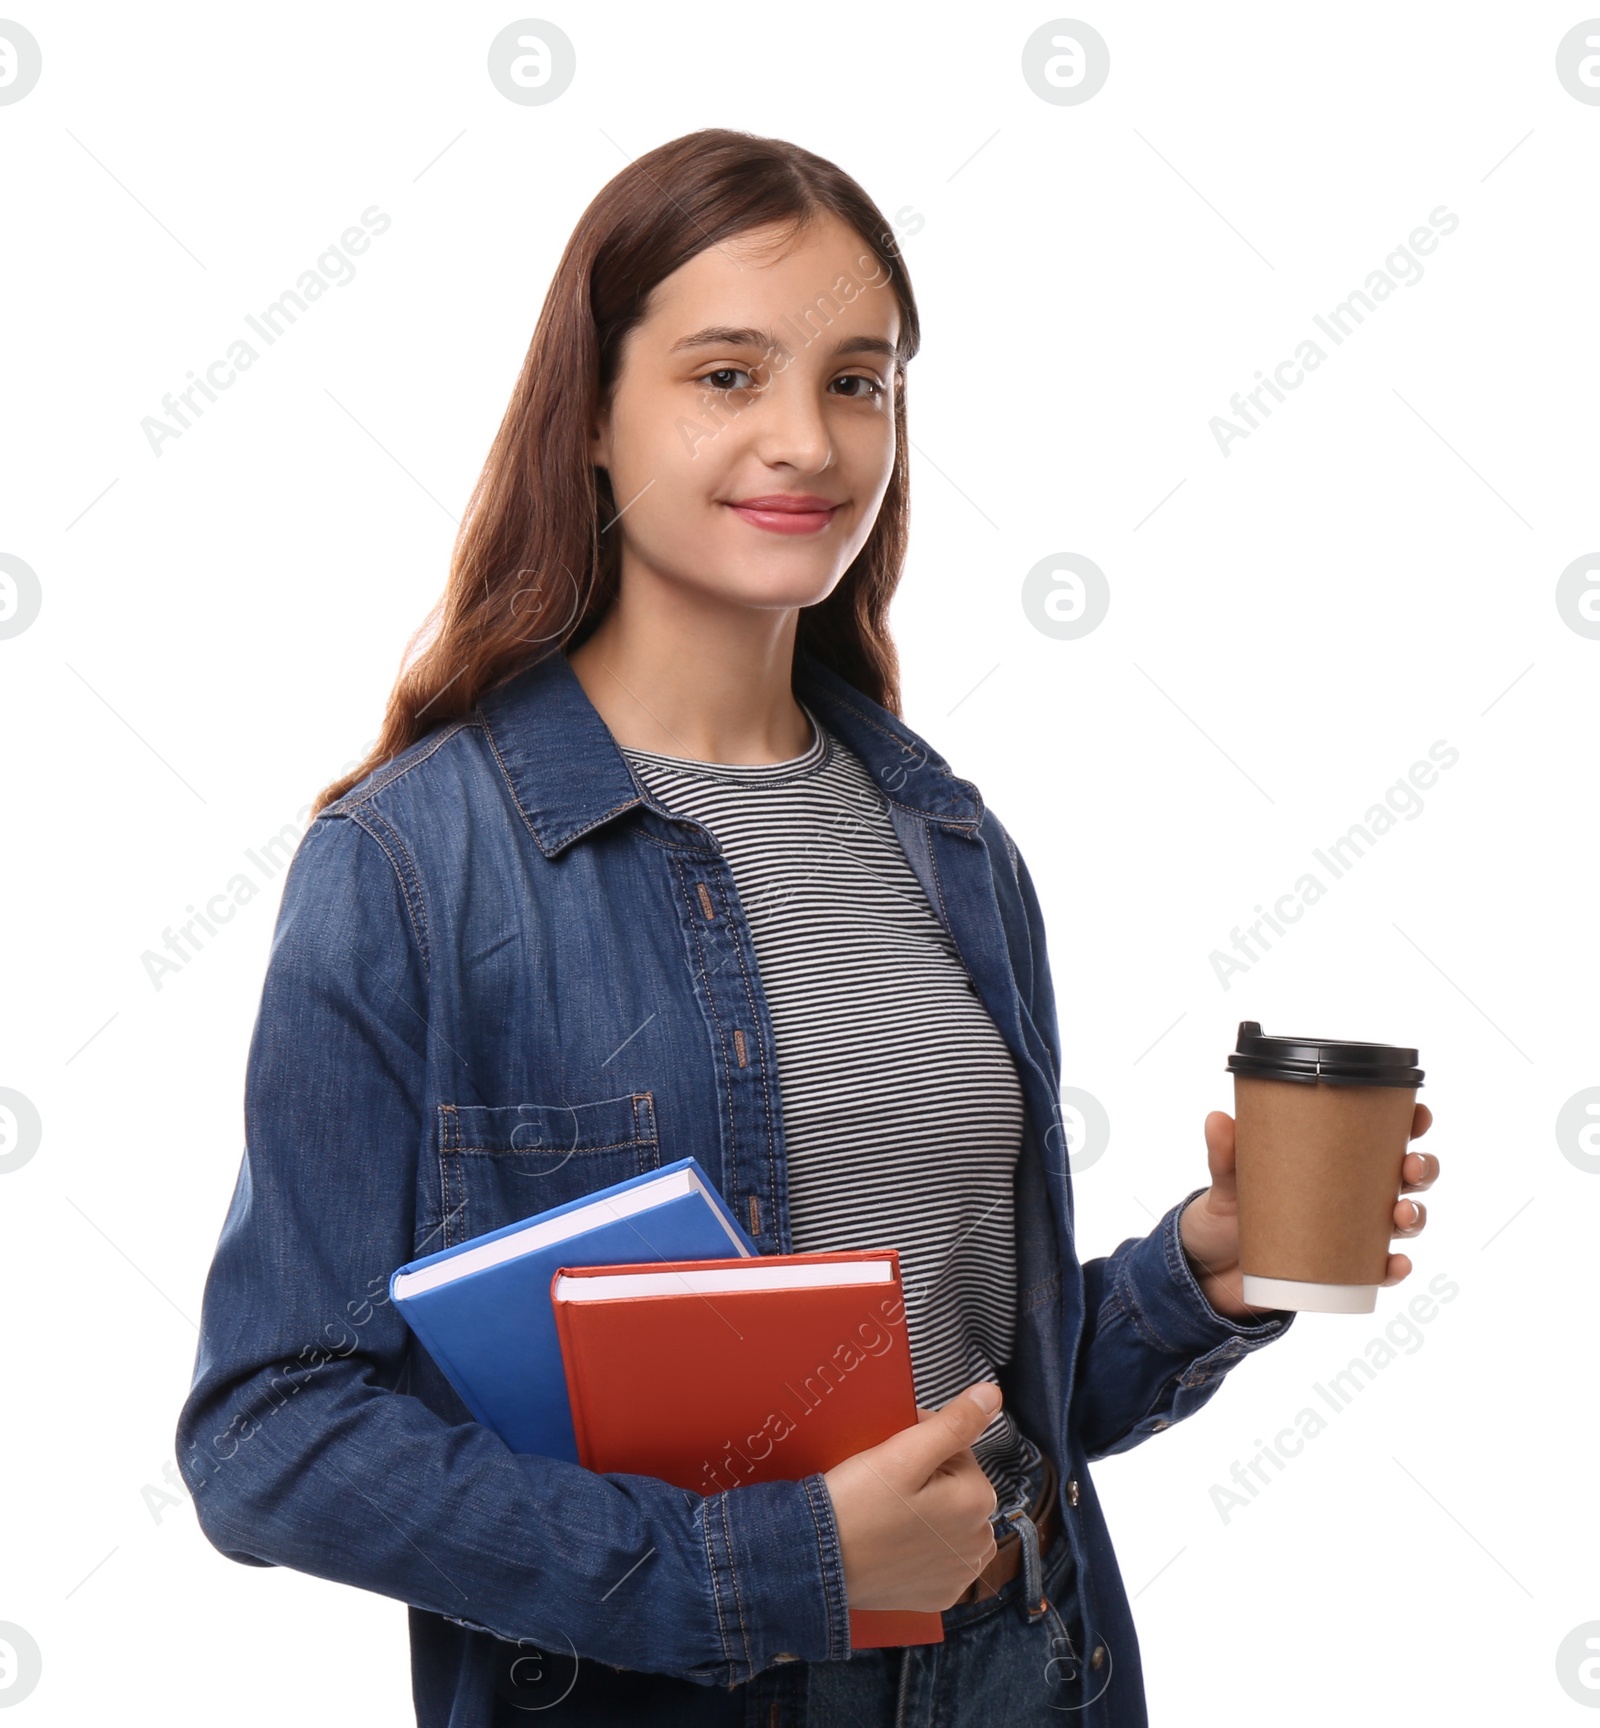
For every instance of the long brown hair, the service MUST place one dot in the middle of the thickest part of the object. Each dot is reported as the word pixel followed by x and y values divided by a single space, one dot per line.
pixel 533 570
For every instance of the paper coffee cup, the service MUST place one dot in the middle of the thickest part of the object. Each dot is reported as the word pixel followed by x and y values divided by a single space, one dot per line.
pixel 1322 1129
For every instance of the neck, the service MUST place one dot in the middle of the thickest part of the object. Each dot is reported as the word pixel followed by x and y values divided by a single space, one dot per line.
pixel 690 675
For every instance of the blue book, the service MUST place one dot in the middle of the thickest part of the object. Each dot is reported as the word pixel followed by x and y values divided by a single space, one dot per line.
pixel 482 1308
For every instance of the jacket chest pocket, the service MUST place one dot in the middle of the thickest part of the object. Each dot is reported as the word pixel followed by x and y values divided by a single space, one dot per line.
pixel 502 1162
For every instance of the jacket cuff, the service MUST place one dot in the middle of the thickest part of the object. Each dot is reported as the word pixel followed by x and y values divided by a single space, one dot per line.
pixel 777 1574
pixel 1157 1285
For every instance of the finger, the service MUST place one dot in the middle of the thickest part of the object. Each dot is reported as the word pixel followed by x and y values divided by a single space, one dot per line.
pixel 964 1466
pixel 1399 1267
pixel 1419 1170
pixel 1221 1148
pixel 1409 1217
pixel 965 1483
pixel 958 1467
pixel 950 1429
pixel 1421 1119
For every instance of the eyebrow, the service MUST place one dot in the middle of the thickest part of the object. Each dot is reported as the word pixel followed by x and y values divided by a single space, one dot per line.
pixel 742 336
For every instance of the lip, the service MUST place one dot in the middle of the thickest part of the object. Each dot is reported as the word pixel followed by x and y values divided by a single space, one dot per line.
pixel 786 512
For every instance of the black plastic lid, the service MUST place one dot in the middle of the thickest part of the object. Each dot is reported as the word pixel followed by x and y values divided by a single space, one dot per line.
pixel 1341 1062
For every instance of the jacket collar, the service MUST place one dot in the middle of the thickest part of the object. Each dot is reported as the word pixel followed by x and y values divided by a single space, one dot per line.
pixel 569 777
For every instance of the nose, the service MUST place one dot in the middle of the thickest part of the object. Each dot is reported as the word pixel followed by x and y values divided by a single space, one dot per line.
pixel 793 430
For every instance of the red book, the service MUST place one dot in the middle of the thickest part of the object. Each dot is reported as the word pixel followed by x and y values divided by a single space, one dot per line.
pixel 713 1373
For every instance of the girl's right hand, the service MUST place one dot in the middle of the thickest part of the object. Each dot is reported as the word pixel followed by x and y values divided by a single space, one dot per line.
pixel 913 1511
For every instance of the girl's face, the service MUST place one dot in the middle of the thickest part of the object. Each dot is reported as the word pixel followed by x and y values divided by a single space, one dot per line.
pixel 750 437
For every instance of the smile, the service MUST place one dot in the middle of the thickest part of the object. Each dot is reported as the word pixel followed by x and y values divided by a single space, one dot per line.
pixel 785 515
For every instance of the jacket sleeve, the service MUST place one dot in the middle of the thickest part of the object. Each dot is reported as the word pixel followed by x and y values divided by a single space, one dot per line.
pixel 299 1444
pixel 1153 1350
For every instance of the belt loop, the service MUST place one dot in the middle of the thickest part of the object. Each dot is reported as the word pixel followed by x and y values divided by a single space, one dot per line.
pixel 1032 1602
pixel 1037 1472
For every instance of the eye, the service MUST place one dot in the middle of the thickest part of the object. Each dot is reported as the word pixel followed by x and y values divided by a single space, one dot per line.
pixel 723 379
pixel 726 372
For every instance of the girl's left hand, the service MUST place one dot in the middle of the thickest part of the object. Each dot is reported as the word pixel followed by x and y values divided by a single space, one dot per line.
pixel 1209 1228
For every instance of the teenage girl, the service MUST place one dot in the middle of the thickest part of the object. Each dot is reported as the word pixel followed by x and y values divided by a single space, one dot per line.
pixel 646 863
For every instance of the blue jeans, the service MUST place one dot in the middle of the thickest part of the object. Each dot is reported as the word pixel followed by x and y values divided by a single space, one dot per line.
pixel 1005 1663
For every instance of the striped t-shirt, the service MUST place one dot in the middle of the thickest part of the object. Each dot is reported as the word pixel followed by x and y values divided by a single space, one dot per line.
pixel 902 1111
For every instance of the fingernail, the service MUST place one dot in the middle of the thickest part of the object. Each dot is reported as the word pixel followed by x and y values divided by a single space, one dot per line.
pixel 986 1397
pixel 1416 1213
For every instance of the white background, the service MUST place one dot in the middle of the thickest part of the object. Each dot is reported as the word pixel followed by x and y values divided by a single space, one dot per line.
pixel 1291 626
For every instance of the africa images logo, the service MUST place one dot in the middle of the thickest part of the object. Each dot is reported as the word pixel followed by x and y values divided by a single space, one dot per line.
pixel 1401 269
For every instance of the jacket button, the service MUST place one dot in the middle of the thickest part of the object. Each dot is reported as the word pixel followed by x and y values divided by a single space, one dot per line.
pixel 786 1656
pixel 1072 1492
pixel 1097 1658
pixel 1156 1427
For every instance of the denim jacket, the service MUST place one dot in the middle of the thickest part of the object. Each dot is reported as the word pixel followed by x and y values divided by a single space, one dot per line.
pixel 503 975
